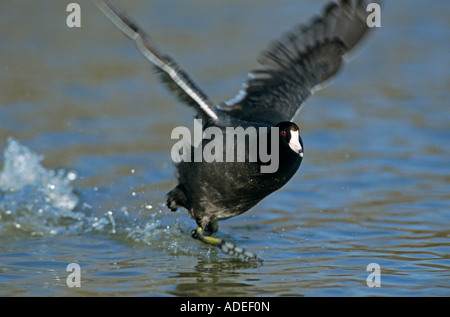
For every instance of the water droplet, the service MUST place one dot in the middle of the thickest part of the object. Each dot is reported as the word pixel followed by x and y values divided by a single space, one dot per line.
pixel 71 176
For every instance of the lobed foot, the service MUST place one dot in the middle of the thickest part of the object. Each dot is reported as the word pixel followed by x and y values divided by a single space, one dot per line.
pixel 227 247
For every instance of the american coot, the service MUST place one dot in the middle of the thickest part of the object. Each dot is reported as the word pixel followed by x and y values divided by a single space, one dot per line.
pixel 292 68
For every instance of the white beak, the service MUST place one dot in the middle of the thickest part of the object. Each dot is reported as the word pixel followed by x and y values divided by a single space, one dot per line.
pixel 294 143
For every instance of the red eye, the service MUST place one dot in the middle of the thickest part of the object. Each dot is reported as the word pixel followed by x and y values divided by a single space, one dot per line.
pixel 283 133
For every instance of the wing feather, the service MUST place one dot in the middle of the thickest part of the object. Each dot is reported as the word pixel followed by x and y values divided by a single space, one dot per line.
pixel 299 63
pixel 175 78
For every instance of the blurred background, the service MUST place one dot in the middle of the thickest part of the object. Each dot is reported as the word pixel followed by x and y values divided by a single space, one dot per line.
pixel 85 134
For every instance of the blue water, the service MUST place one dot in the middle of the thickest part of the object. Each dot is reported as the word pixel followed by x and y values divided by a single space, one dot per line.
pixel 85 134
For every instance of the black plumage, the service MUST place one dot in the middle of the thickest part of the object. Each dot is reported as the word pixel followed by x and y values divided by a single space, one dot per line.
pixel 292 68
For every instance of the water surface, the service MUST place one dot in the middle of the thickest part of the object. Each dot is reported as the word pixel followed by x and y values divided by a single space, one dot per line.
pixel 84 175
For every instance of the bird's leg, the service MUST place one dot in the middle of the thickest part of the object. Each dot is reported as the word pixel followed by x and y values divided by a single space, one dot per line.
pixel 227 247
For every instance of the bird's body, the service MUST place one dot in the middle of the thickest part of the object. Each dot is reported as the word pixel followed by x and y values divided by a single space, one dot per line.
pixel 292 68
pixel 214 191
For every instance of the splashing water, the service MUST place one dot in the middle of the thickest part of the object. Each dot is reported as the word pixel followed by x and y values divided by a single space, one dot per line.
pixel 33 199
pixel 40 202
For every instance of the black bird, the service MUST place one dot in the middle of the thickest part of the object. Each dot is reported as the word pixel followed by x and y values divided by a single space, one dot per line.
pixel 292 68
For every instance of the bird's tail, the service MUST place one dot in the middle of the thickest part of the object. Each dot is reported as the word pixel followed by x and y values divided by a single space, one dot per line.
pixel 177 198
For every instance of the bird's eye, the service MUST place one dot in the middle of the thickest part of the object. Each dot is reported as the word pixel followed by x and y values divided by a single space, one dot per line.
pixel 283 133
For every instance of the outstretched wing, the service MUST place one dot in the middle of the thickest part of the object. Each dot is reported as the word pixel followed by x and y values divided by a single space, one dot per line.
pixel 175 78
pixel 299 63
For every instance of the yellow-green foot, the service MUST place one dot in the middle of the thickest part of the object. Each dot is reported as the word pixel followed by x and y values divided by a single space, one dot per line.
pixel 227 247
